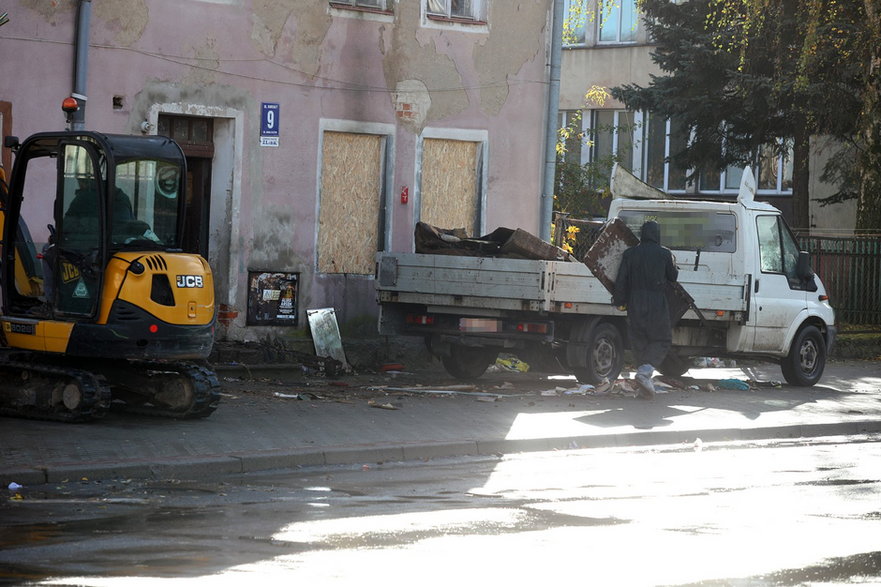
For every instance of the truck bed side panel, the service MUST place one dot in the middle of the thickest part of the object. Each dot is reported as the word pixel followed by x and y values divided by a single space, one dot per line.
pixel 523 284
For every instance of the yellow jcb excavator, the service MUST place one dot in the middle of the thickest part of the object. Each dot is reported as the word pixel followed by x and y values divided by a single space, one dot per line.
pixel 100 306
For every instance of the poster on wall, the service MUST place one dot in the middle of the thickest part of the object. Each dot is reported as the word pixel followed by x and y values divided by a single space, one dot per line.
pixel 272 298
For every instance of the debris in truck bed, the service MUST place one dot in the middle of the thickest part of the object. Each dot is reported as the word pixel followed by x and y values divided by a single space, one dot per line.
pixel 502 242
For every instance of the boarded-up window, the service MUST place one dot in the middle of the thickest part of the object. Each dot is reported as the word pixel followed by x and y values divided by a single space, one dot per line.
pixel 351 188
pixel 450 195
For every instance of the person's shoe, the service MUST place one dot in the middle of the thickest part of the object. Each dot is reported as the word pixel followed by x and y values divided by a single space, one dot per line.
pixel 643 379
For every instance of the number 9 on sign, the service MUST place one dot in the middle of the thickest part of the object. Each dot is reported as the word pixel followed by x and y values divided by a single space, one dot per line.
pixel 269 119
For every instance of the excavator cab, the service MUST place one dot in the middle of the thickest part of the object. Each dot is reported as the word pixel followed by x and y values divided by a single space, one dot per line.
pixel 93 272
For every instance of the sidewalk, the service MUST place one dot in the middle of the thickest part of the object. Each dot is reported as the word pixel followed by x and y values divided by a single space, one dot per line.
pixel 348 421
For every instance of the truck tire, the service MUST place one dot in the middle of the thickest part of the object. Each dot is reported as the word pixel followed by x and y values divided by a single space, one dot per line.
pixel 605 355
pixel 804 364
pixel 468 363
pixel 674 365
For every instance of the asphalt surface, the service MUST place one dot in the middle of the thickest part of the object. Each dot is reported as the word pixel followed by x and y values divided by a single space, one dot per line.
pixel 279 418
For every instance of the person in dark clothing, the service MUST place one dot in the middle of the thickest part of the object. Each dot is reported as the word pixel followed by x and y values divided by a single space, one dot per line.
pixel 640 287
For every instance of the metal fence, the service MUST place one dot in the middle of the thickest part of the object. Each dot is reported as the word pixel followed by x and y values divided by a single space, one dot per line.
pixel 574 234
pixel 851 271
pixel 850 268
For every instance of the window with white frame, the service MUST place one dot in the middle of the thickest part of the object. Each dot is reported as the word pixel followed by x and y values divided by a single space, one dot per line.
pixel 611 134
pixel 574 22
pixel 775 167
pixel 644 143
pixel 617 21
pixel 374 4
pixel 570 123
pixel 456 9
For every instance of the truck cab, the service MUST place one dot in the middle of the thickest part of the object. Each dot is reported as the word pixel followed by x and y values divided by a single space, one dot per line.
pixel 782 312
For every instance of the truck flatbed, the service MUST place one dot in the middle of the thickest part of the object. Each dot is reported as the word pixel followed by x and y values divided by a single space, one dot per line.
pixel 487 284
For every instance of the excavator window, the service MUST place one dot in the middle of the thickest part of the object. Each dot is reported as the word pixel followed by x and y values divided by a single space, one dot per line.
pixel 28 272
pixel 77 277
pixel 144 209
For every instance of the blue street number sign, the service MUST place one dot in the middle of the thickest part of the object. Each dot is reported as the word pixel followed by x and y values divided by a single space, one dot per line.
pixel 269 122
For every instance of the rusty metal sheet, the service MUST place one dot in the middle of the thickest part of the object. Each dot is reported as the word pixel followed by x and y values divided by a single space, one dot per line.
pixel 604 258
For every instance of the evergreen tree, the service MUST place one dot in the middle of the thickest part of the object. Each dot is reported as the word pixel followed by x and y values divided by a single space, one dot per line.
pixel 739 79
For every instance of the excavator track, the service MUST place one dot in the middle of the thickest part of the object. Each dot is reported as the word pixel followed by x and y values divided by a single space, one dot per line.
pixel 46 392
pixel 37 387
pixel 172 390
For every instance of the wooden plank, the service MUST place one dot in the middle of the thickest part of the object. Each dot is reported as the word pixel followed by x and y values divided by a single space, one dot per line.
pixel 351 175
pixel 449 184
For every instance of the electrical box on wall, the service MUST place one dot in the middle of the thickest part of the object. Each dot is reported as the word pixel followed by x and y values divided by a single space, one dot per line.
pixel 273 298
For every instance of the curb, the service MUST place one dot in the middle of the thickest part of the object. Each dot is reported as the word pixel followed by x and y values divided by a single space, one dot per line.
pixel 250 462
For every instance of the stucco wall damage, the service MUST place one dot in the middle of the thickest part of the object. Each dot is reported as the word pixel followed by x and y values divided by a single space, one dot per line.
pixel 394 74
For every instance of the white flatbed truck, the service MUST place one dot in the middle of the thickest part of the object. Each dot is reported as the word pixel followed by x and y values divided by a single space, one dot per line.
pixel 754 293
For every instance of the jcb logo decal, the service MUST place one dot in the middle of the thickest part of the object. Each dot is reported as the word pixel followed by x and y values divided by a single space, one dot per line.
pixel 189 281
pixel 69 272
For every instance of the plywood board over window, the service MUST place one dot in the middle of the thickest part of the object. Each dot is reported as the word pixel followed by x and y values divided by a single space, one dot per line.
pixel 351 188
pixel 449 193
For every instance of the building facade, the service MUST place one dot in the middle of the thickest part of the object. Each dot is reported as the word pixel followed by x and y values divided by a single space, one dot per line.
pixel 608 45
pixel 316 132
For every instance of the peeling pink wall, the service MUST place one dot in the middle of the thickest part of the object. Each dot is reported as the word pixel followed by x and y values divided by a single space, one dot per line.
pixel 222 58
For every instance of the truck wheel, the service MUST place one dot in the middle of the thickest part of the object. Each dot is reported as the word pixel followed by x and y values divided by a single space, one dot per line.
pixel 468 363
pixel 674 365
pixel 804 364
pixel 605 355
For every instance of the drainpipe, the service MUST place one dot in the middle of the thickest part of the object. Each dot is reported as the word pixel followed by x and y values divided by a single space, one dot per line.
pixel 547 197
pixel 81 64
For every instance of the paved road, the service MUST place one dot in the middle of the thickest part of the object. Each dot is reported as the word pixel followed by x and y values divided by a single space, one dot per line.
pixel 369 419
pixel 749 513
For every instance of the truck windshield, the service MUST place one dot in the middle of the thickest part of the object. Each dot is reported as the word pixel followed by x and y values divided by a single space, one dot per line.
pixel 688 230
pixel 144 207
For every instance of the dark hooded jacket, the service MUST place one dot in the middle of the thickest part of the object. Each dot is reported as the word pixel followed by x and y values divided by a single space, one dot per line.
pixel 641 285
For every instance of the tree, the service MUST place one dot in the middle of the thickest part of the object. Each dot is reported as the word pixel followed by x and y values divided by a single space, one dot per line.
pixel 743 74
pixel 869 209
pixel 836 64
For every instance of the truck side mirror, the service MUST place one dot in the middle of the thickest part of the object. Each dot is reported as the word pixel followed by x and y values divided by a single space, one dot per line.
pixel 804 272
